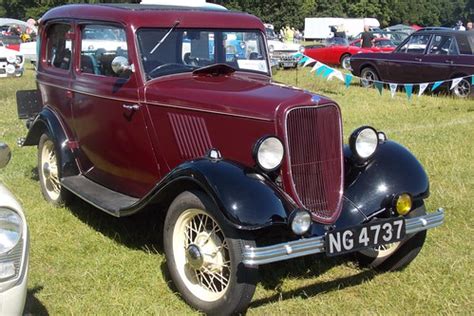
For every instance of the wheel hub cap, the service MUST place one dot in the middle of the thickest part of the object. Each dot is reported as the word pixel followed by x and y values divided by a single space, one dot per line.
pixel 46 170
pixel 194 256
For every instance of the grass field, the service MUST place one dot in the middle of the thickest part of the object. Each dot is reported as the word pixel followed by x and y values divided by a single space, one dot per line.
pixel 85 262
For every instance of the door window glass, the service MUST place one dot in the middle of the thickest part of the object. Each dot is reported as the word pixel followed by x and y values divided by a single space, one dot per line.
pixel 442 45
pixel 415 45
pixel 100 44
pixel 59 46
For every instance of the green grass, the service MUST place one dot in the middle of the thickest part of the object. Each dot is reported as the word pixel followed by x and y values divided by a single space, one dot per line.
pixel 85 262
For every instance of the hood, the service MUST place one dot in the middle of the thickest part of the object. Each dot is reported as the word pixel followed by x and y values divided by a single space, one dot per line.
pixel 244 95
pixel 277 45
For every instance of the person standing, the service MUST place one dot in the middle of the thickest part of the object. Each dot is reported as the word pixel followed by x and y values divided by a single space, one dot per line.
pixel 367 38
pixel 469 27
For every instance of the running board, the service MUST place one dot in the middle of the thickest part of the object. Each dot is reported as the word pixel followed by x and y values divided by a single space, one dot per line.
pixel 101 197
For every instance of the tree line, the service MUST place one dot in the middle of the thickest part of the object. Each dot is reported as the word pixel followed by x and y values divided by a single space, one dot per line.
pixel 293 12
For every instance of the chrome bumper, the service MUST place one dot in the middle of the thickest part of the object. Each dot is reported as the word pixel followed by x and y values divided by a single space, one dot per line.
pixel 262 255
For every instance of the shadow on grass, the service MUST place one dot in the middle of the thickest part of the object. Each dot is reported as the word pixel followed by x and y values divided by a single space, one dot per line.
pixel 142 231
pixel 33 305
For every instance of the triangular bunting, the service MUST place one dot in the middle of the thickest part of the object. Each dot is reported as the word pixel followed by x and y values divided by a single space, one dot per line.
pixel 321 70
pixel 409 90
pixel 472 80
pixel 455 83
pixel 379 86
pixel 436 85
pixel 423 87
pixel 316 66
pixel 302 60
pixel 336 74
pixel 298 55
pixel 327 72
pixel 393 89
pixel 308 61
pixel 348 80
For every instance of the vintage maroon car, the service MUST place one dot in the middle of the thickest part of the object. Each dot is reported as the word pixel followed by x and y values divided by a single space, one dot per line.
pixel 338 51
pixel 428 55
pixel 248 172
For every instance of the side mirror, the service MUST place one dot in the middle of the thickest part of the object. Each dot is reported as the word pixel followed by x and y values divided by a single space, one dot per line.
pixel 121 66
pixel 5 155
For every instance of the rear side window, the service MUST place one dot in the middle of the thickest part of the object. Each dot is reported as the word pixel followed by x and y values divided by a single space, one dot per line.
pixel 466 43
pixel 100 44
pixel 59 46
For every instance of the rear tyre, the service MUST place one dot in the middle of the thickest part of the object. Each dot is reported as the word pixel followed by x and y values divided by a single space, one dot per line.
pixel 464 89
pixel 395 256
pixel 368 77
pixel 346 61
pixel 204 256
pixel 50 173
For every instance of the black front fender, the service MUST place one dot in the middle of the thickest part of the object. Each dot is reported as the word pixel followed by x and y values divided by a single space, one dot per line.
pixel 392 170
pixel 48 121
pixel 247 199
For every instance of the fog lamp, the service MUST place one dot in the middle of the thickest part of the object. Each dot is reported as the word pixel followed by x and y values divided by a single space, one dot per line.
pixel 403 203
pixel 300 221
pixel 7 270
pixel 10 69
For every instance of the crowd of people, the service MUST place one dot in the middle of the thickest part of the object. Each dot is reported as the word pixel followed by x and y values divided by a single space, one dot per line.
pixel 26 33
pixel 460 27
pixel 290 34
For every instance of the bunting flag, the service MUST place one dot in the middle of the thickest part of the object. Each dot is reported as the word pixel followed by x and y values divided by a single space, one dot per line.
pixel 423 87
pixel 303 60
pixel 409 90
pixel 336 74
pixel 348 80
pixel 455 83
pixel 379 86
pixel 472 80
pixel 316 66
pixel 321 70
pixel 308 61
pixel 393 89
pixel 327 72
pixel 436 85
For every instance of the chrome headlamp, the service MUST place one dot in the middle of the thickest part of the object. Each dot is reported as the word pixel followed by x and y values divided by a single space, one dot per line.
pixel 364 142
pixel 268 153
pixel 18 59
pixel 11 229
pixel 301 49
pixel 11 59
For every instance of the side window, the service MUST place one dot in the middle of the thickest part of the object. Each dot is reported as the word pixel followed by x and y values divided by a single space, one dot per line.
pixel 415 45
pixel 441 45
pixel 59 46
pixel 100 44
pixel 358 43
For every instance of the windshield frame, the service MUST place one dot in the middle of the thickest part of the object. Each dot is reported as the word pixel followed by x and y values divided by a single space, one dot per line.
pixel 257 32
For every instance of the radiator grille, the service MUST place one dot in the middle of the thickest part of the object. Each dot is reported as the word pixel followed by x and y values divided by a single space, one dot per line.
pixel 191 135
pixel 315 159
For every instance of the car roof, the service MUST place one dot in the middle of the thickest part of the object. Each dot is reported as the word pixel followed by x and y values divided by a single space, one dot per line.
pixel 153 15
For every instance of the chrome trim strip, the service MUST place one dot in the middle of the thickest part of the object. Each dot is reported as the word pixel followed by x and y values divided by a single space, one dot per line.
pixel 253 256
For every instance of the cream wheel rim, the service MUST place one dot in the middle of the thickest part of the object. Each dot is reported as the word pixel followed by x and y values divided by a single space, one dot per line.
pixel 201 255
pixel 382 252
pixel 49 170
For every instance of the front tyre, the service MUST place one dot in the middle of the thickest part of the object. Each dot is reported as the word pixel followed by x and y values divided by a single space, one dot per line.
pixel 346 61
pixel 50 173
pixel 463 89
pixel 395 256
pixel 368 77
pixel 204 256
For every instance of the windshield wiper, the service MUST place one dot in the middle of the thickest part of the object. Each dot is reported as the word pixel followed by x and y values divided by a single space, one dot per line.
pixel 164 37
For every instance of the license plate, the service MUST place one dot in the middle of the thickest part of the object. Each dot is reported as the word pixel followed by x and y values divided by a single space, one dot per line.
pixel 364 236
pixel 288 64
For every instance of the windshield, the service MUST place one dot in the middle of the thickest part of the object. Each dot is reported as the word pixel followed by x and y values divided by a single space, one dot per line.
pixel 185 50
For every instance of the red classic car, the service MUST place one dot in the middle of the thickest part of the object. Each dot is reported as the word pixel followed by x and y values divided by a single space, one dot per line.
pixel 338 51
pixel 245 171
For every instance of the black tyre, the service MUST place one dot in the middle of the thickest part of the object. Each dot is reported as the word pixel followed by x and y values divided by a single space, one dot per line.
pixel 394 256
pixel 368 77
pixel 204 256
pixel 464 89
pixel 50 173
pixel 346 61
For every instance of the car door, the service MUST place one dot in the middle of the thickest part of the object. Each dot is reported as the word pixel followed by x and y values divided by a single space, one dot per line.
pixel 109 121
pixel 405 64
pixel 438 61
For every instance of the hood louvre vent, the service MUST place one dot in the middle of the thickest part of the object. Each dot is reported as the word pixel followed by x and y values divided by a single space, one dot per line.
pixel 191 135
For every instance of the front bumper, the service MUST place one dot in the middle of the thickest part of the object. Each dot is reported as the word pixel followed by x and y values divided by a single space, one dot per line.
pixel 262 255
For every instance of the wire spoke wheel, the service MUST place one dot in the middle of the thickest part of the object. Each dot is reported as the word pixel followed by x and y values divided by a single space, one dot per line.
pixel 202 255
pixel 49 170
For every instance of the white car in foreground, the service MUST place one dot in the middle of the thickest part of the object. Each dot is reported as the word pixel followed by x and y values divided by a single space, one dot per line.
pixel 11 62
pixel 14 244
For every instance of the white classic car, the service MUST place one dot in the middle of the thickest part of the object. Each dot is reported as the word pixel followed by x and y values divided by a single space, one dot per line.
pixel 14 244
pixel 11 62
pixel 282 53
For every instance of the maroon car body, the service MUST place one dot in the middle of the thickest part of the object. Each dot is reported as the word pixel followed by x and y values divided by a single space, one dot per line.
pixel 141 106
pixel 426 56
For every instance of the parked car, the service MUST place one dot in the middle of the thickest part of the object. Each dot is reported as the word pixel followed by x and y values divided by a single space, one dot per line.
pixel 428 55
pixel 11 62
pixel 14 244
pixel 395 37
pixel 382 45
pixel 248 171
pixel 282 52
pixel 338 51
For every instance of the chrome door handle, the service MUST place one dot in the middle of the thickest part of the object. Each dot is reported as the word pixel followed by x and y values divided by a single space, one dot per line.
pixel 448 61
pixel 131 107
pixel 418 59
